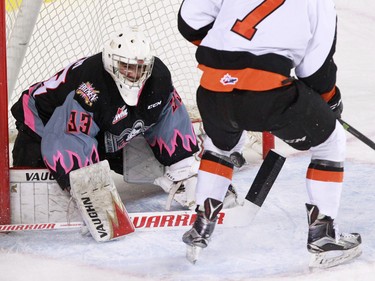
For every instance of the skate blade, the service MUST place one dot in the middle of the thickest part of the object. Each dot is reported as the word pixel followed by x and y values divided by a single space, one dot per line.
pixel 192 253
pixel 333 258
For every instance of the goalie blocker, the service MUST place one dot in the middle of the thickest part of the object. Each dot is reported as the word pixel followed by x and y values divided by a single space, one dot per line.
pixel 99 203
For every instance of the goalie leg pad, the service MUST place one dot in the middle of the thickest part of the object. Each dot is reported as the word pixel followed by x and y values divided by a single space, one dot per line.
pixel 99 203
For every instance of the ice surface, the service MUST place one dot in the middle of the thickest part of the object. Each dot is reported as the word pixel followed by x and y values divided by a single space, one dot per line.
pixel 273 247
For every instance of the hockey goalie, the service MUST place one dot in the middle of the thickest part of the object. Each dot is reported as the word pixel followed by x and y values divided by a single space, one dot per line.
pixel 78 122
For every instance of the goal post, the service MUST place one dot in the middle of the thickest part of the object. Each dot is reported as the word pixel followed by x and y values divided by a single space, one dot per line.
pixel 4 142
pixel 19 37
pixel 268 143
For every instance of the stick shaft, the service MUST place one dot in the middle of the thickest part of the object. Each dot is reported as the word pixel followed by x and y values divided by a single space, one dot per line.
pixel 357 134
pixel 39 226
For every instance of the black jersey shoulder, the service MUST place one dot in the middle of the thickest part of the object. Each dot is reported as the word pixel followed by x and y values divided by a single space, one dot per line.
pixel 159 85
pixel 160 70
pixel 94 85
pixel 156 92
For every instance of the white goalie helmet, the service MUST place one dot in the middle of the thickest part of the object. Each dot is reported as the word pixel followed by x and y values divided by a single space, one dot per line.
pixel 128 57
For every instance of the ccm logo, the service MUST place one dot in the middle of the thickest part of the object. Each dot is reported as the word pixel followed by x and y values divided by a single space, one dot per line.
pixel 154 105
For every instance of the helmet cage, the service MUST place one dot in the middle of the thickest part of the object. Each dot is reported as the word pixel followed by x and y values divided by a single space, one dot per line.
pixel 132 72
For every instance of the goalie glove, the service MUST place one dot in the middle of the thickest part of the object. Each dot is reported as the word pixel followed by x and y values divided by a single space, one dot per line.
pixel 182 170
pixel 179 181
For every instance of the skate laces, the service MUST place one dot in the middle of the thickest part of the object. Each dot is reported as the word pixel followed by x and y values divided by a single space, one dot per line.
pixel 344 235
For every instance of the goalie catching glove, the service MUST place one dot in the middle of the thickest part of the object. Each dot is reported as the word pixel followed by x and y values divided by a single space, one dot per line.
pixel 179 181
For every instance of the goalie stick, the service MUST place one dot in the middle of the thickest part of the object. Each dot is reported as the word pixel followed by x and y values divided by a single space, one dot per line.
pixel 256 195
pixel 40 226
pixel 357 134
pixel 240 215
pixel 151 221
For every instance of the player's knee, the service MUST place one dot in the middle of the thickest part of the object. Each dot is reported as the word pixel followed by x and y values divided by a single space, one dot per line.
pixel 210 146
pixel 334 148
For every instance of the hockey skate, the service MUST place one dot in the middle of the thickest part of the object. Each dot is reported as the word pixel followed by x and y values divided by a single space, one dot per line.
pixel 328 247
pixel 199 235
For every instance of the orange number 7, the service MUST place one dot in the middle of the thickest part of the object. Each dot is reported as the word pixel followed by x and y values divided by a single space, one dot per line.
pixel 247 26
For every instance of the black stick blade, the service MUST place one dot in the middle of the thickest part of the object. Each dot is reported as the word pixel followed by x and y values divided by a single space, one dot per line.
pixel 266 176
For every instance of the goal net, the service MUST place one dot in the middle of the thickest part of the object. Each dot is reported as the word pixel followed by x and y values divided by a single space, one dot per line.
pixel 43 36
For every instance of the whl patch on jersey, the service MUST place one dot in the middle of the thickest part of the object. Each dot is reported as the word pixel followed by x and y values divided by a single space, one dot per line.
pixel 122 112
pixel 88 93
pixel 228 80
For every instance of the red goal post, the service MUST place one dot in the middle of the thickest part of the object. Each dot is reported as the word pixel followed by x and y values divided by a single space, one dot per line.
pixel 4 142
pixel 49 34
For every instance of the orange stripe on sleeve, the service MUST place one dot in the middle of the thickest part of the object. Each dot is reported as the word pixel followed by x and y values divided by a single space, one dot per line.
pixel 216 168
pixel 328 176
pixel 327 96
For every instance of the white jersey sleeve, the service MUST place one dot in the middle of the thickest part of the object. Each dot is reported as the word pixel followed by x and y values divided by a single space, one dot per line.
pixel 322 17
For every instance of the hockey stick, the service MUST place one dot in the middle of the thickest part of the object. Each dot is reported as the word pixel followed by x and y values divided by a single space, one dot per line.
pixel 150 221
pixel 167 220
pixel 39 226
pixel 357 134
pixel 265 178
pixel 238 216
pixel 255 197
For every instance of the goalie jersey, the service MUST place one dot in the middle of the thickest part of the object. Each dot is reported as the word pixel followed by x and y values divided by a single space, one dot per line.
pixel 81 118
pixel 269 37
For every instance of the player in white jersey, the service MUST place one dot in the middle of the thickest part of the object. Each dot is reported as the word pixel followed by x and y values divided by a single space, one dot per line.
pixel 247 50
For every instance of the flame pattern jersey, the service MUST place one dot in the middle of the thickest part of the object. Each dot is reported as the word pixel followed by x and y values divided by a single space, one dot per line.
pixel 80 117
